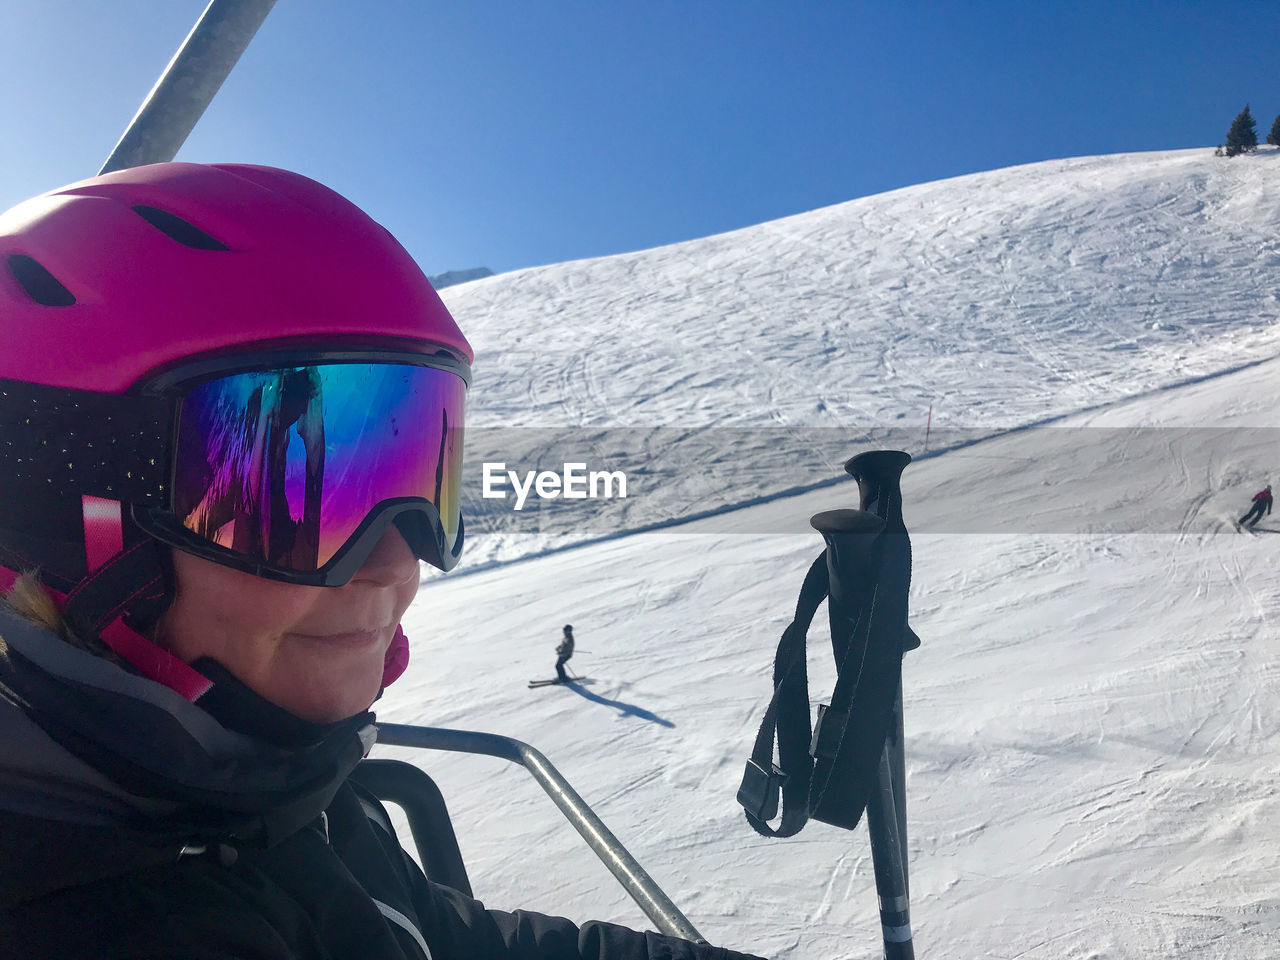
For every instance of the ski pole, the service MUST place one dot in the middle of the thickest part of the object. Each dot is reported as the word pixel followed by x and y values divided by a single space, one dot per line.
pixel 868 575
pixel 879 474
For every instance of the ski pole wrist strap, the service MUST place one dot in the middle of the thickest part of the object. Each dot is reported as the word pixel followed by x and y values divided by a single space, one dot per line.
pixel 787 721
pixel 826 772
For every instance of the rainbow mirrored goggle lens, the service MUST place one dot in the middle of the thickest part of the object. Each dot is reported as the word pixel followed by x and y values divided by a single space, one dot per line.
pixel 298 470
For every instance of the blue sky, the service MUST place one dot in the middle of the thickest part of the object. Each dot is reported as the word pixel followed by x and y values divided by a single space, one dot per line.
pixel 508 134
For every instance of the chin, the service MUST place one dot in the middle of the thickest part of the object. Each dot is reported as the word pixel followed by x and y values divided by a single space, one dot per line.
pixel 327 685
pixel 328 712
pixel 322 701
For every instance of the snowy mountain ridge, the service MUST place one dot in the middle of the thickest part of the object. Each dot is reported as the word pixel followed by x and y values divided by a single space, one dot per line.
pixel 452 277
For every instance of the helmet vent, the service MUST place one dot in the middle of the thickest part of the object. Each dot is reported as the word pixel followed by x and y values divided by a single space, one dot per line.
pixel 178 229
pixel 41 285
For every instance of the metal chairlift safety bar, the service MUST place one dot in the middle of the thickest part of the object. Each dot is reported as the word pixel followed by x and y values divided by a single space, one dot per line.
pixel 642 888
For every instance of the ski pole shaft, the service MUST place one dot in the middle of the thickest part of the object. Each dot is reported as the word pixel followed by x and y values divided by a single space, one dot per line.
pixel 895 747
pixel 889 861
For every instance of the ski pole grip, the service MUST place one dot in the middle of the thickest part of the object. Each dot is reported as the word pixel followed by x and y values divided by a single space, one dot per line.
pixel 850 537
pixel 852 559
pixel 866 607
pixel 879 476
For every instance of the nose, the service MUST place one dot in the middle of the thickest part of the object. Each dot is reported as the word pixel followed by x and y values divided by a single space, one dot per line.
pixel 390 563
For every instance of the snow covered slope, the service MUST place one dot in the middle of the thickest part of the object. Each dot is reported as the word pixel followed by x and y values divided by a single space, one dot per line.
pixel 999 299
pixel 1093 720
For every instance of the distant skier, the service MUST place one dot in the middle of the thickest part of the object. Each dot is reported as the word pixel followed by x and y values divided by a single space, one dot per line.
pixel 1261 505
pixel 563 652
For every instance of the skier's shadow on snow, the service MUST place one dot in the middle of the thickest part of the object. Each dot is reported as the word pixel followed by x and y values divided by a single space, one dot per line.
pixel 625 709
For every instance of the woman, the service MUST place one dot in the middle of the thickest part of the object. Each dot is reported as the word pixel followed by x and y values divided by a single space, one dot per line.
pixel 231 415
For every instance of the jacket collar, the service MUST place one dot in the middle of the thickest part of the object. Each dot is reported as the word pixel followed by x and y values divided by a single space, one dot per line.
pixel 84 743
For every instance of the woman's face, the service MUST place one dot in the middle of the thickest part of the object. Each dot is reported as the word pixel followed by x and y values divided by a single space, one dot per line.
pixel 315 651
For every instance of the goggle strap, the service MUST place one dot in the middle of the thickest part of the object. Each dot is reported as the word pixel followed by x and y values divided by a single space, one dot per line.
pixel 153 662
pixel 131 573
pixel 107 591
pixel 103 530
pixel 8 577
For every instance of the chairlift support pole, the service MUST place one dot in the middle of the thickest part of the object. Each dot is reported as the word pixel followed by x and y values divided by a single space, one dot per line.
pixel 188 83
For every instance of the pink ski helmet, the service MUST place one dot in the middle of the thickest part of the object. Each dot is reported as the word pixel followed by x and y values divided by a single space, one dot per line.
pixel 139 308
pixel 111 279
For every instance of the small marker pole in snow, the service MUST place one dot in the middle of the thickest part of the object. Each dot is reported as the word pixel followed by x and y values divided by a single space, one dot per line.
pixel 928 424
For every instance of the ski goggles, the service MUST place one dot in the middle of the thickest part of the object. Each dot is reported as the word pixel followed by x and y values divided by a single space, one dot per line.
pixel 294 470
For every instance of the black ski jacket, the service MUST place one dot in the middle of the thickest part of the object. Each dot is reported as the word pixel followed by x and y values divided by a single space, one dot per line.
pixel 135 825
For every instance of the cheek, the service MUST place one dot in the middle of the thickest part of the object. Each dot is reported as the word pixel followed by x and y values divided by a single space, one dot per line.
pixel 266 608
pixel 407 593
pixel 255 605
pixel 216 605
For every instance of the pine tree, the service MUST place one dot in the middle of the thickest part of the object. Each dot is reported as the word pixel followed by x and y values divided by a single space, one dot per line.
pixel 1274 136
pixel 1243 135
